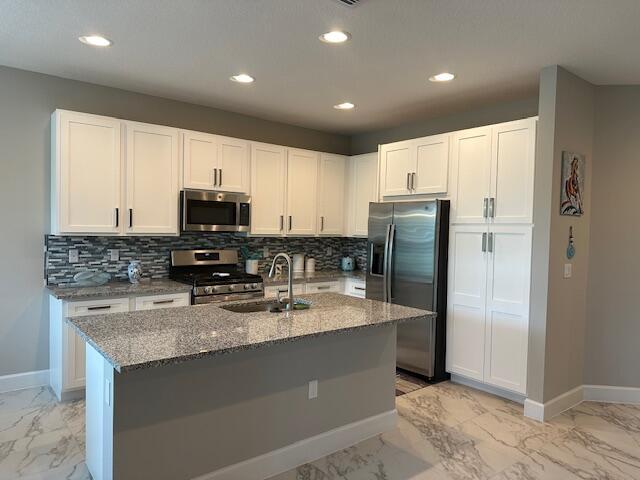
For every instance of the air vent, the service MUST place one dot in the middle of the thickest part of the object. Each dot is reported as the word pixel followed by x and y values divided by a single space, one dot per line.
pixel 349 3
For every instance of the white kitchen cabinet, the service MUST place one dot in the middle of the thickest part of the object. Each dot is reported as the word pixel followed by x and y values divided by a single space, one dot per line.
pixel 472 173
pixel 355 287
pixel 362 188
pixel 67 349
pixel 324 287
pixel 302 192
pixel 272 291
pixel 86 168
pixel 213 162
pixel 331 198
pixel 152 183
pixel 415 167
pixel 488 304
pixel 268 189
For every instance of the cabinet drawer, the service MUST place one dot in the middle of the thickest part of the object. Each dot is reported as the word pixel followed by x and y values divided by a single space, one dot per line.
pixel 356 288
pixel 95 307
pixel 153 302
pixel 323 287
pixel 272 292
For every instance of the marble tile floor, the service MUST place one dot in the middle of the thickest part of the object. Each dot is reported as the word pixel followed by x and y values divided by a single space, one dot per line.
pixel 407 382
pixel 445 431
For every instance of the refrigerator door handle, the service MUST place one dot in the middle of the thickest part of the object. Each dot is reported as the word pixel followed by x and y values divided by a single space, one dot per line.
pixel 485 208
pixel 484 241
pixel 385 266
pixel 391 237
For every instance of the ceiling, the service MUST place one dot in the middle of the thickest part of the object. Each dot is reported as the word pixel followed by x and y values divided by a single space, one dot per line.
pixel 187 49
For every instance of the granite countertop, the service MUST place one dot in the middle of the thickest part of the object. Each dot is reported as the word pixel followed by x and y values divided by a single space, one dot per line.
pixel 119 289
pixel 319 276
pixel 152 338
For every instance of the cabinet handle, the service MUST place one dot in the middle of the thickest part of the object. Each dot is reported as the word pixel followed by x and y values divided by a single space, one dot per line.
pixel 220 182
pixel 290 222
pixel 485 207
pixel 101 307
pixel 215 177
pixel 409 181
pixel 326 287
pixel 322 224
pixel 281 223
pixel 162 302
pixel 130 217
pixel 492 207
pixel 484 241
pixel 117 216
pixel 490 249
pixel 359 288
pixel 413 181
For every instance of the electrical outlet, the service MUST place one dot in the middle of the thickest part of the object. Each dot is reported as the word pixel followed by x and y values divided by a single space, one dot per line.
pixel 313 389
pixel 567 270
pixel 73 256
pixel 265 252
pixel 114 254
pixel 329 251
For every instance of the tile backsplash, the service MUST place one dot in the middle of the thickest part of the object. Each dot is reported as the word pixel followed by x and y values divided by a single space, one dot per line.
pixel 153 252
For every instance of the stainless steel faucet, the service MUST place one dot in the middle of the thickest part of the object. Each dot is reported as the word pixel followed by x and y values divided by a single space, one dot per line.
pixel 289 305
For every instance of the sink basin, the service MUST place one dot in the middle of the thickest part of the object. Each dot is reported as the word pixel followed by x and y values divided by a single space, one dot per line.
pixel 254 307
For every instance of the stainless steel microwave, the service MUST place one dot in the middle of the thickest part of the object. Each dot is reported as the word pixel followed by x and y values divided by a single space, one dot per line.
pixel 209 211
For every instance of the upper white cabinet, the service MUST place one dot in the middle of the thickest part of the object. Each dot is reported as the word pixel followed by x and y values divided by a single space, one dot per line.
pixel 268 188
pixel 493 167
pixel 331 198
pixel 415 167
pixel 362 188
pixel 86 170
pixel 212 162
pixel 152 179
pixel 302 192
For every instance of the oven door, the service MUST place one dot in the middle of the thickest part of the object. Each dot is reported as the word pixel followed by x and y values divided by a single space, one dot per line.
pixel 208 211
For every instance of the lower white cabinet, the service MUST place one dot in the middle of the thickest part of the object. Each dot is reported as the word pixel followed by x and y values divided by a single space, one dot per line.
pixel 67 349
pixel 355 287
pixel 488 304
pixel 324 287
pixel 350 286
pixel 272 291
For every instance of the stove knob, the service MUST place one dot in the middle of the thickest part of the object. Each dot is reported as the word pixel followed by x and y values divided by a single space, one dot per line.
pixel 217 289
pixel 254 286
pixel 247 286
pixel 231 288
pixel 208 290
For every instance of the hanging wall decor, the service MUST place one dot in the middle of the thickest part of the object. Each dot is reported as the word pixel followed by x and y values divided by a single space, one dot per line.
pixel 571 195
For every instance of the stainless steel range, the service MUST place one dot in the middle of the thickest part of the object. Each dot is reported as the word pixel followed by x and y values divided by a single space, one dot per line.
pixel 214 275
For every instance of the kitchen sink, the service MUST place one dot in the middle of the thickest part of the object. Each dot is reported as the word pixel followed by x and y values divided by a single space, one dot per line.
pixel 272 307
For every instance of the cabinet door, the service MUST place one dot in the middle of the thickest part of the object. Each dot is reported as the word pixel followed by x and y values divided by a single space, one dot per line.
pixel 466 300
pixel 472 171
pixel 86 174
pixel 432 165
pixel 302 192
pixel 268 177
pixel 507 330
pixel 363 189
pixel 233 165
pixel 152 179
pixel 155 302
pixel 200 158
pixel 513 161
pixel 398 161
pixel 331 204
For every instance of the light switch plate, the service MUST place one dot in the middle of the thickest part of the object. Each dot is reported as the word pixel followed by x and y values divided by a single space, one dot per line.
pixel 265 252
pixel 114 254
pixel 313 389
pixel 73 256
pixel 567 270
pixel 329 251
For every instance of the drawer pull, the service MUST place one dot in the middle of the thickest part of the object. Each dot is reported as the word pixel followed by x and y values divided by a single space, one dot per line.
pixel 326 287
pixel 101 307
pixel 162 302
pixel 359 288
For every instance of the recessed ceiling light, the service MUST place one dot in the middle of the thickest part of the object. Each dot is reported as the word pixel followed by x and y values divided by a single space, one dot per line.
pixel 242 78
pixel 335 36
pixel 95 40
pixel 344 106
pixel 442 77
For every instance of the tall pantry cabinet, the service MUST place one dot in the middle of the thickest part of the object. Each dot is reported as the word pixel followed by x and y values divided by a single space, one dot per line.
pixel 490 253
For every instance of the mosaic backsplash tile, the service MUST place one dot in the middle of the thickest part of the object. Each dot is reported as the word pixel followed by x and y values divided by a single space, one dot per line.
pixel 153 252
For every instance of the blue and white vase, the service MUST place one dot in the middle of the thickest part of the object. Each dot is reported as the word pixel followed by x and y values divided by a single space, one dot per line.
pixel 134 271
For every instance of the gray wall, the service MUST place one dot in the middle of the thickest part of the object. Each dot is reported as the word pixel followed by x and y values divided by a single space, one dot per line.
pixel 559 308
pixel 26 102
pixel 613 322
pixel 474 117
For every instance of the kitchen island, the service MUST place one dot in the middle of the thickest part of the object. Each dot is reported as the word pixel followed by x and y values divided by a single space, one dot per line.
pixel 203 392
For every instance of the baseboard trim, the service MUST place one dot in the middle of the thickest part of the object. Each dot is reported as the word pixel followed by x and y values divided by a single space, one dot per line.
pixel 555 406
pixel 513 396
pixel 305 451
pixel 20 381
pixel 611 394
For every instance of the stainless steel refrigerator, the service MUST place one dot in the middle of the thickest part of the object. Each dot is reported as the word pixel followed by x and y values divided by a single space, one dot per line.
pixel 407 265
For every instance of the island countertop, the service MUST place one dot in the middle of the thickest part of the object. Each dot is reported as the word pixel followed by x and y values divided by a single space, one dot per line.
pixel 152 338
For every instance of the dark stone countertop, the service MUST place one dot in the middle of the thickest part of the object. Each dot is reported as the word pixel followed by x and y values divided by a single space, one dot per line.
pixel 119 289
pixel 152 338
